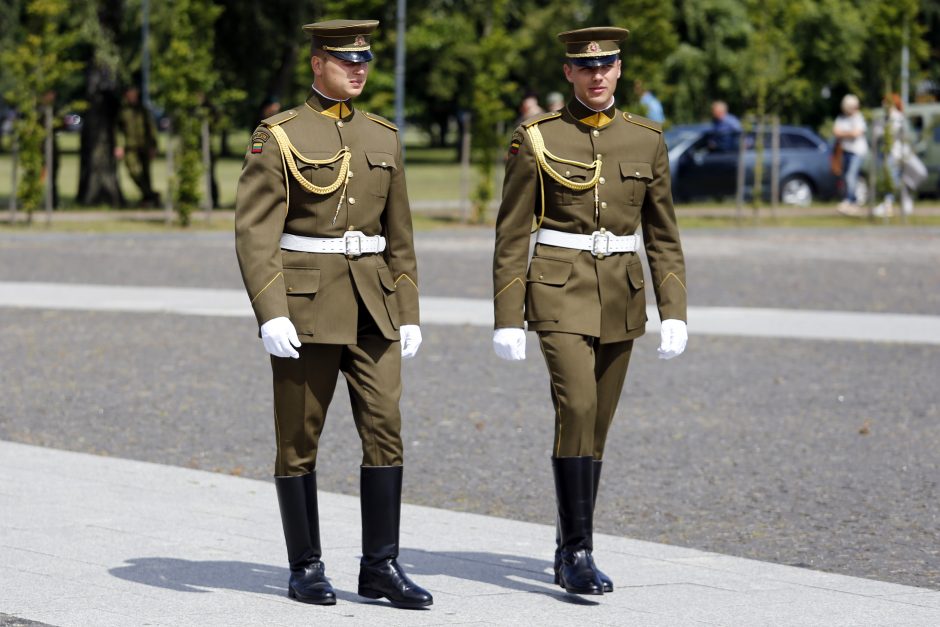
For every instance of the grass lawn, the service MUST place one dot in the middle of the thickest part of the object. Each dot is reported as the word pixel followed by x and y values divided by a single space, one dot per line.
pixel 432 175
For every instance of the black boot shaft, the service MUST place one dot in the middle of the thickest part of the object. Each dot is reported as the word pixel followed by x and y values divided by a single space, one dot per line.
pixel 297 499
pixel 574 489
pixel 380 574
pixel 380 502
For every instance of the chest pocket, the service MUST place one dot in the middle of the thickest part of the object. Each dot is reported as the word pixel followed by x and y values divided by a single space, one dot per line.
pixel 563 195
pixel 636 177
pixel 320 174
pixel 381 165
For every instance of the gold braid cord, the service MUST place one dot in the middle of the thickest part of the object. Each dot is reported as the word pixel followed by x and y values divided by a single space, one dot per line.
pixel 289 152
pixel 541 152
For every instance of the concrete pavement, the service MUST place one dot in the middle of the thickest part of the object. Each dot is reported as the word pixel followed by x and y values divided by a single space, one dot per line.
pixel 729 321
pixel 88 540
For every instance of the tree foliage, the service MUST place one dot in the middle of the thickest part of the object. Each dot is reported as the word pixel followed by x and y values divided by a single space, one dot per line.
pixel 38 66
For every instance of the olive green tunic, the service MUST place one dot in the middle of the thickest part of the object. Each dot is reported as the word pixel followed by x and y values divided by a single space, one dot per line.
pixel 572 291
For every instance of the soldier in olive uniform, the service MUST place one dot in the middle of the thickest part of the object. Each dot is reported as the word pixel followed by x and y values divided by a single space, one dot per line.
pixel 324 241
pixel 591 175
pixel 139 133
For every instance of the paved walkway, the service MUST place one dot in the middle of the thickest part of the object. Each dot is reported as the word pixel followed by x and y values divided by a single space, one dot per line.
pixel 735 321
pixel 88 540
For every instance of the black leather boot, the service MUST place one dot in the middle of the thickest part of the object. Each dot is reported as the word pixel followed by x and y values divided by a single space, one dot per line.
pixel 605 580
pixel 379 572
pixel 297 497
pixel 574 477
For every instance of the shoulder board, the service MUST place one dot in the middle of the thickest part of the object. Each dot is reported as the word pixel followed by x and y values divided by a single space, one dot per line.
pixel 379 119
pixel 641 121
pixel 542 117
pixel 280 118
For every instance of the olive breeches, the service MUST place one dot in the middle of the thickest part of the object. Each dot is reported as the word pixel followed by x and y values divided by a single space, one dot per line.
pixel 586 380
pixel 303 389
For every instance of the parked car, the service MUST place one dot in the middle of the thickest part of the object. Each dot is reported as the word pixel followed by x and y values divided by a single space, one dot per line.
pixel 705 165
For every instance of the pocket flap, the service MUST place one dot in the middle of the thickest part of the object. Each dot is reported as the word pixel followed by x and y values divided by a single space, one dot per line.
pixel 302 280
pixel 549 271
pixel 381 159
pixel 630 170
pixel 635 273
pixel 385 276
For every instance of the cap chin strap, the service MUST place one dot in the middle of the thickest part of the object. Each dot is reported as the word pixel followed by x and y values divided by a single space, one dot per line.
pixel 541 152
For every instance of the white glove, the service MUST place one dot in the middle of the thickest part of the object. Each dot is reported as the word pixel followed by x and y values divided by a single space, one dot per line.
pixel 675 335
pixel 278 334
pixel 410 340
pixel 509 343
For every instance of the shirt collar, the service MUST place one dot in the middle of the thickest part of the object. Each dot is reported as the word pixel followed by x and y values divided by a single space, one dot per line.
pixel 331 108
pixel 591 117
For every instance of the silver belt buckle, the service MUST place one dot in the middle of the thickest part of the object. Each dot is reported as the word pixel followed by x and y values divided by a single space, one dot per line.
pixel 600 243
pixel 353 243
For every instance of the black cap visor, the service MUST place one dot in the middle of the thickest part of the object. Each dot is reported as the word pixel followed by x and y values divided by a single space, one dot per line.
pixel 361 56
pixel 610 59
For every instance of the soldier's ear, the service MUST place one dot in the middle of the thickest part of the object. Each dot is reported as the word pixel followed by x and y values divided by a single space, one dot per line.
pixel 568 70
pixel 618 68
pixel 316 64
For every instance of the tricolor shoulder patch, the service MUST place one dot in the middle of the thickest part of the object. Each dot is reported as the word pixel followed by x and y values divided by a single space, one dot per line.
pixel 515 143
pixel 257 142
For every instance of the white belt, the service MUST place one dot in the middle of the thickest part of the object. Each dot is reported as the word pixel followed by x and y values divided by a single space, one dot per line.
pixel 598 243
pixel 352 243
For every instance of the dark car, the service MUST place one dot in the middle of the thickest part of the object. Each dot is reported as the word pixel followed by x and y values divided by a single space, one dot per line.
pixel 704 165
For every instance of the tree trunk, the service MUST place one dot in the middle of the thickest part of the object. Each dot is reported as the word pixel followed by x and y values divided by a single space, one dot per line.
pixel 98 181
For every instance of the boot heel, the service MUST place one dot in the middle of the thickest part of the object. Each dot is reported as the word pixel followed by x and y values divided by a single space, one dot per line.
pixel 369 593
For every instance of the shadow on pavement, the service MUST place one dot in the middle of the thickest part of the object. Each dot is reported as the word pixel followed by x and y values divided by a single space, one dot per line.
pixel 513 572
pixel 519 574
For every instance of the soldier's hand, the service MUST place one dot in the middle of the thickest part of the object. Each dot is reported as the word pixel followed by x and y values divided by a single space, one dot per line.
pixel 410 340
pixel 509 343
pixel 280 337
pixel 118 152
pixel 674 335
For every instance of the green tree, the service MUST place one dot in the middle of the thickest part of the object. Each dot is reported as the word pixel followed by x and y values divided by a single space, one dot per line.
pixel 184 77
pixel 491 89
pixel 37 64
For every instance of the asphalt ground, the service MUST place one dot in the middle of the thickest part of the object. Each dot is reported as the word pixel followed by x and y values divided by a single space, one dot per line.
pixel 821 454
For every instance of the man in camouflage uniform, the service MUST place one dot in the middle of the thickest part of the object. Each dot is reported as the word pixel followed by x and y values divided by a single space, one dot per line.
pixel 139 133
pixel 324 241
pixel 591 175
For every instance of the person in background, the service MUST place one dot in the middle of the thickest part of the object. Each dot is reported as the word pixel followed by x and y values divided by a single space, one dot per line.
pixel 528 108
pixel 555 101
pixel 849 129
pixel 901 159
pixel 725 127
pixel 652 107
pixel 139 132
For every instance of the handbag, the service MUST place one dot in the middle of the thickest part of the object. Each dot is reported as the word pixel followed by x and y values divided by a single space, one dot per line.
pixel 835 159
pixel 913 170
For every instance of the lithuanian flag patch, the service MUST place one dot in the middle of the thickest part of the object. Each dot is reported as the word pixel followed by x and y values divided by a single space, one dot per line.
pixel 257 142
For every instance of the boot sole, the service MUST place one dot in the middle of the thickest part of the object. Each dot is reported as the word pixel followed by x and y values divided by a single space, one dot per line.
pixel 369 593
pixel 310 600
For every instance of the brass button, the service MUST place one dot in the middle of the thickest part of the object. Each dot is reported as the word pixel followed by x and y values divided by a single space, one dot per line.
pixel 603 205
pixel 290 289
pixel 567 172
pixel 352 201
pixel 339 123
pixel 638 173
pixel 383 164
pixel 629 117
pixel 602 180
pixel 350 174
pixel 599 155
pixel 596 133
pixel 541 276
pixel 352 228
